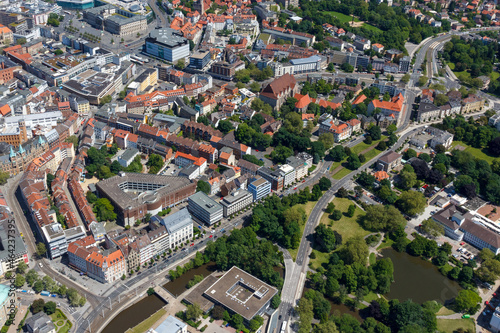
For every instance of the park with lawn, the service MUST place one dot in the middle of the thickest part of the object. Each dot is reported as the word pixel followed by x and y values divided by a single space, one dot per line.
pixel 368 149
pixel 347 227
pixel 352 20
pixel 61 322
pixel 479 153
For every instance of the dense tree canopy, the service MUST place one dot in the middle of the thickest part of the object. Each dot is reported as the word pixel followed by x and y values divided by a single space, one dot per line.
pixel 242 248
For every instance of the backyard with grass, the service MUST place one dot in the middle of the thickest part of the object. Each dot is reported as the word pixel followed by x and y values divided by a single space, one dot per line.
pixel 61 322
pixel 347 227
pixel 481 154
pixel 146 324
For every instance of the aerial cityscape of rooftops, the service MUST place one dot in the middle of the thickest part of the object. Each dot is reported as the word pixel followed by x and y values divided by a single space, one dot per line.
pixel 254 166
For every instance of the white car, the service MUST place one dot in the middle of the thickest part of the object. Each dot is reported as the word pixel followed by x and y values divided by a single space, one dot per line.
pixel 40 264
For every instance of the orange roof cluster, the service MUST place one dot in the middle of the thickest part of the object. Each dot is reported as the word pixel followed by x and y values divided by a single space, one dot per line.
pixel 81 202
pixel 156 95
pixel 304 100
pixel 307 116
pixel 198 161
pixel 380 175
pixel 360 99
pixel 395 105
pixel 61 199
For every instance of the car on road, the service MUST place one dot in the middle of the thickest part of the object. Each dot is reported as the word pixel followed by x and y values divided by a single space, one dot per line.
pixel 40 264
pixel 295 188
pixel 210 236
pixel 279 318
pixel 192 244
pixel 304 181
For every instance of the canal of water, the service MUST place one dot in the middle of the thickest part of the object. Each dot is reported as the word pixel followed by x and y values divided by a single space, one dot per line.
pixel 179 285
pixel 135 314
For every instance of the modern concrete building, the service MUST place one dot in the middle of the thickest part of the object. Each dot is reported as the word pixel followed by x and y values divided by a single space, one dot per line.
pixel 259 187
pixel 241 293
pixel 204 208
pixel 288 174
pixel 134 194
pixel 236 201
pixel 199 60
pixel 167 44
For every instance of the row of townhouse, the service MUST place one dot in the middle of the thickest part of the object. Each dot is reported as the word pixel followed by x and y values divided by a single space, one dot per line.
pixel 34 192
pixel 125 251
pixel 80 199
pixel 61 200
pixel 295 169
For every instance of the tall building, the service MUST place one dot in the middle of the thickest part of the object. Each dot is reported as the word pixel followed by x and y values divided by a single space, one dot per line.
pixel 259 187
pixel 167 44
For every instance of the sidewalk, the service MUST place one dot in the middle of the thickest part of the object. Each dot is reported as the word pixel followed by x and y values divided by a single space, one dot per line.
pixel 19 316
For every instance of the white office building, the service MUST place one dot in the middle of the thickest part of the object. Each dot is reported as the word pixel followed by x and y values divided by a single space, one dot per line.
pixel 179 226
pixel 236 201
pixel 288 173
pixel 204 208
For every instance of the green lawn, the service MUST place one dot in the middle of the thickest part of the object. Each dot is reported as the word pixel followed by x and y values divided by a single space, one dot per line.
pixel 308 207
pixel 371 27
pixel 371 154
pixel 342 17
pixel 62 324
pixel 146 324
pixel 357 149
pixel 476 152
pixel 494 76
pixel 452 325
pixel 386 243
pixel 347 227
pixel 342 173
pixel 321 258
pixel 444 311
pixel 371 297
pixel 451 65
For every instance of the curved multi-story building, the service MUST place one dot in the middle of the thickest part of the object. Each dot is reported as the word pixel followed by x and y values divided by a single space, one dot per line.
pixel 135 194
pixel 76 4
